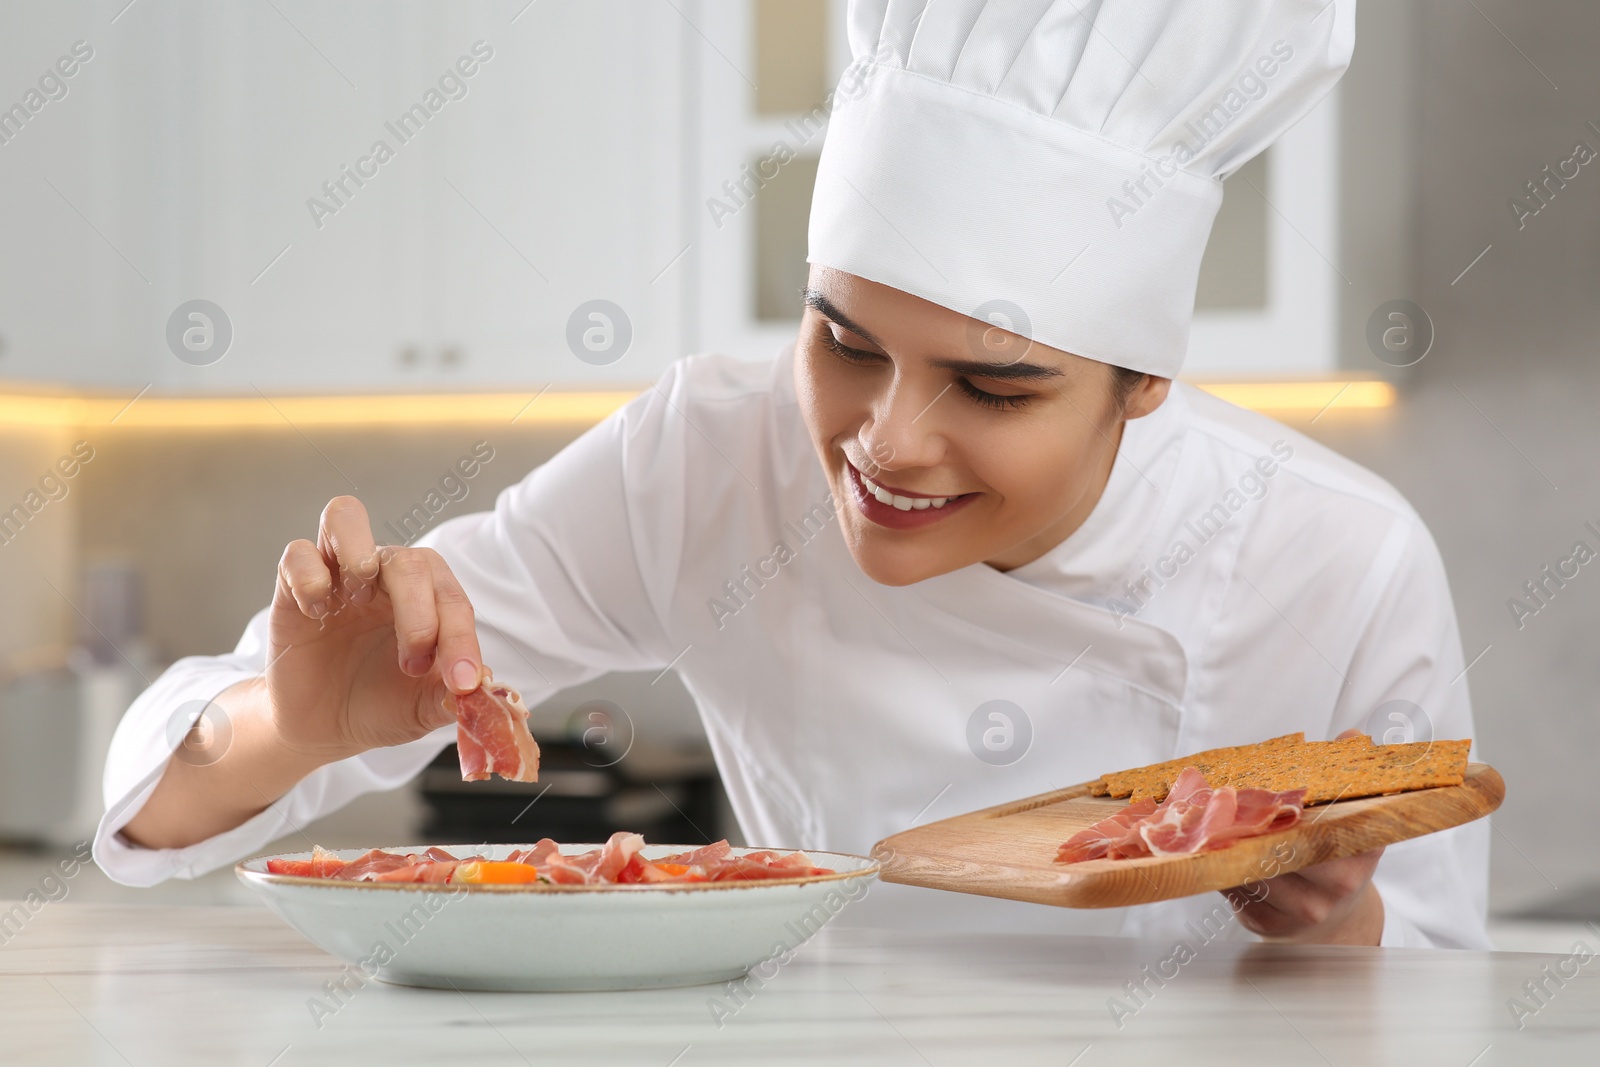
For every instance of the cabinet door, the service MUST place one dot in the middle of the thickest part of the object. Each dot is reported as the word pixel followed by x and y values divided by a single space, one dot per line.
pixel 72 268
pixel 561 187
pixel 376 197
pixel 763 79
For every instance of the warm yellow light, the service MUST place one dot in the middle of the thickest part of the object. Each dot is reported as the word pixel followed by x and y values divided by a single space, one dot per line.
pixel 1303 396
pixel 171 412
pixel 551 407
pixel 40 410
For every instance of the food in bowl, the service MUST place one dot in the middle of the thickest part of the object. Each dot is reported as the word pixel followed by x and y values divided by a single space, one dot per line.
pixel 620 861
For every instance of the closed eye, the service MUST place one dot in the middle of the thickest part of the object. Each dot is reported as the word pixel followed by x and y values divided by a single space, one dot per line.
pixel 860 357
pixel 845 352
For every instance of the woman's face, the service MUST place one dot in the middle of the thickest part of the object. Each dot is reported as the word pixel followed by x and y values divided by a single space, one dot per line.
pixel 927 404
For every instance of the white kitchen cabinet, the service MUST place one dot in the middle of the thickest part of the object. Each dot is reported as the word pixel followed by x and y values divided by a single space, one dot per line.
pixel 749 146
pixel 191 143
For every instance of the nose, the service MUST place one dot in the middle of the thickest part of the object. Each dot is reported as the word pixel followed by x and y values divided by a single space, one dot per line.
pixel 903 430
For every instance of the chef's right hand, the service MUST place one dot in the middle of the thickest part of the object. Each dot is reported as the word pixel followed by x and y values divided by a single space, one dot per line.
pixel 365 642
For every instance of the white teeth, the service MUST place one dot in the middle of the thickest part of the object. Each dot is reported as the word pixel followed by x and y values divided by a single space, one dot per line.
pixel 902 503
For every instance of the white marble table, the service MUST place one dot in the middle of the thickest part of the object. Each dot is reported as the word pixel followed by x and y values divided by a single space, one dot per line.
pixel 89 984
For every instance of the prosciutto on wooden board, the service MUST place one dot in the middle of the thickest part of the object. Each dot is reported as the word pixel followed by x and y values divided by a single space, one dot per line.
pixel 1193 818
pixel 492 733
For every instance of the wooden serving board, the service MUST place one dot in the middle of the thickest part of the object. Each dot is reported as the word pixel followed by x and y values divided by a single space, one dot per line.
pixel 1010 850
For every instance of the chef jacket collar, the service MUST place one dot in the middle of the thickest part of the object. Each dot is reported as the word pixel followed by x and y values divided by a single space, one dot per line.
pixel 1125 526
pixel 1056 606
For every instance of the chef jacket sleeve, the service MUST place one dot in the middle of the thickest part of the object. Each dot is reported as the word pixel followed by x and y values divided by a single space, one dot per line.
pixel 1406 680
pixel 569 575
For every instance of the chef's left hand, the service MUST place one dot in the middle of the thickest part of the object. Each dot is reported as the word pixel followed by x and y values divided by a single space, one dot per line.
pixel 1330 903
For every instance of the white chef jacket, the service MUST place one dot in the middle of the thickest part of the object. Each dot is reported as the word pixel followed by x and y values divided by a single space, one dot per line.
pixel 694 528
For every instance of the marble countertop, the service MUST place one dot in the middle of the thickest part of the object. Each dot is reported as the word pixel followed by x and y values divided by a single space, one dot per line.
pixel 116 984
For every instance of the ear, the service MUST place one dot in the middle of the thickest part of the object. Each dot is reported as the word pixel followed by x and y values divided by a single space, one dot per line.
pixel 1147 396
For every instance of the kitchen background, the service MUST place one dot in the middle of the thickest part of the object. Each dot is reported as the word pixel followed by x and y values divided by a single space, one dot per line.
pixel 365 332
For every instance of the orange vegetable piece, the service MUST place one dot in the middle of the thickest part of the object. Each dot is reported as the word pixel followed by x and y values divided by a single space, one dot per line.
pixel 495 872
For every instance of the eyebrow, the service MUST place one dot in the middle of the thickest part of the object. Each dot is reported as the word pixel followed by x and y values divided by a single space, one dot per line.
pixel 976 368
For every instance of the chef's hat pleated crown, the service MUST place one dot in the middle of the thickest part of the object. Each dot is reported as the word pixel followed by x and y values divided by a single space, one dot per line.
pixel 1054 166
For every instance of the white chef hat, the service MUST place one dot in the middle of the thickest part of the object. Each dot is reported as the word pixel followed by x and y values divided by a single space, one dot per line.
pixel 1054 166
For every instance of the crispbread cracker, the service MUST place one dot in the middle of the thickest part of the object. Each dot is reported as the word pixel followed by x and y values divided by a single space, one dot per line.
pixel 1278 763
pixel 1327 770
pixel 1158 777
pixel 1382 770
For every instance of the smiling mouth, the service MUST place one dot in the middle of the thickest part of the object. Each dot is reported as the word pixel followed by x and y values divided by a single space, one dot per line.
pixel 902 502
pixel 899 509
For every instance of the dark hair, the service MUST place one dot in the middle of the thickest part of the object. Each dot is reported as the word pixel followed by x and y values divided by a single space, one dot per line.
pixel 1123 383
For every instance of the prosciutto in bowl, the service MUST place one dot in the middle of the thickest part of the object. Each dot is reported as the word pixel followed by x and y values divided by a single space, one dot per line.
pixel 616 915
pixel 620 861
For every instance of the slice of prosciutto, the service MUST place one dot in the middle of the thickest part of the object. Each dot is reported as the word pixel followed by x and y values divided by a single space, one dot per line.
pixel 375 865
pixel 601 865
pixel 1113 838
pixel 1193 818
pixel 492 734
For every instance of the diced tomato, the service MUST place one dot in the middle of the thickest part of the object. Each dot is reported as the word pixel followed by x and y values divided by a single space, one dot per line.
pixel 495 872
pixel 322 864
pixel 298 868
pixel 638 869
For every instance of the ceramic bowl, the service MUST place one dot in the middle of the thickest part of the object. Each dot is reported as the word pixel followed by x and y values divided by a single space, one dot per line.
pixel 558 937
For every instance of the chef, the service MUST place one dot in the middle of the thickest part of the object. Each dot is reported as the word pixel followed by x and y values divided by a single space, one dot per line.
pixel 967 541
